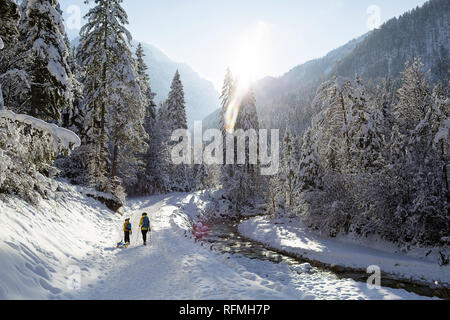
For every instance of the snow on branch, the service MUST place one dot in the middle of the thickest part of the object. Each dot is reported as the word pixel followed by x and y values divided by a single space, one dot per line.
pixel 62 138
pixel 28 148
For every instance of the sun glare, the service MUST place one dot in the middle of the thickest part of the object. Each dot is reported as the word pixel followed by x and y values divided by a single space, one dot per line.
pixel 247 54
pixel 245 65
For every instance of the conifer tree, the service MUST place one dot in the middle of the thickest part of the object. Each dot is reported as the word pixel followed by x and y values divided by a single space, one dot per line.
pixel 42 42
pixel 414 96
pixel 176 106
pixel 288 167
pixel 309 173
pixel 148 179
pixel 114 119
pixel 9 32
pixel 174 114
pixel 241 182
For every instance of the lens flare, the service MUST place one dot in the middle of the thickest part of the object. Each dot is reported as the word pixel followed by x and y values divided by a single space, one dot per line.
pixel 233 107
pixel 245 63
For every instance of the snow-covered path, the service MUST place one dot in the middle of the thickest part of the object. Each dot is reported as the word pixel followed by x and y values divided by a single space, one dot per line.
pixel 174 267
pixel 171 267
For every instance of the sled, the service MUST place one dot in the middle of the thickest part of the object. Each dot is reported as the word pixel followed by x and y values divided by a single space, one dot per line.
pixel 122 245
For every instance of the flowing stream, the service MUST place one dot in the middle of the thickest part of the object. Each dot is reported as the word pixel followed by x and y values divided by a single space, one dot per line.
pixel 224 236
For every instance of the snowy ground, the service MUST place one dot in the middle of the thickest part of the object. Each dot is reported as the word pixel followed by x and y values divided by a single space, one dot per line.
pixel 42 248
pixel 174 267
pixel 297 239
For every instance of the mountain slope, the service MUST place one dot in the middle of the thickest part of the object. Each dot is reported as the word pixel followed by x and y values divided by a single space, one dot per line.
pixel 201 96
pixel 302 75
pixel 423 32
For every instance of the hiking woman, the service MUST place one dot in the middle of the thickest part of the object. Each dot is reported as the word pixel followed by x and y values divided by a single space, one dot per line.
pixel 145 227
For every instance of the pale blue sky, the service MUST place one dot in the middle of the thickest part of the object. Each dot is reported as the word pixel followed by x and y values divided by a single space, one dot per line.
pixel 209 35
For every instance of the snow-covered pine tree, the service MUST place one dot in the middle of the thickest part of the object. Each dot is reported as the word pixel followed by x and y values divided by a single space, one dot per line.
pixel 226 97
pixel 441 130
pixel 15 81
pixel 413 114
pixel 9 32
pixel 96 60
pixel 288 167
pixel 414 97
pixel 334 106
pixel 272 195
pixel 283 185
pixel 241 184
pixel 73 118
pixel 421 195
pixel 176 105
pixel 382 104
pixel 42 41
pixel 175 118
pixel 112 96
pixel 126 122
pixel 248 119
pixel 161 142
pixel 148 96
pixel 75 168
pixel 309 172
pixel 200 177
pixel 148 180
pixel 366 140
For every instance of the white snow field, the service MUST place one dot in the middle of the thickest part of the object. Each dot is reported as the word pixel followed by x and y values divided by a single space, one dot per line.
pixel 38 245
pixel 65 249
pixel 354 253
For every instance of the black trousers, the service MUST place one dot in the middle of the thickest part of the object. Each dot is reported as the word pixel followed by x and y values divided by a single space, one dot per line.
pixel 144 235
pixel 127 236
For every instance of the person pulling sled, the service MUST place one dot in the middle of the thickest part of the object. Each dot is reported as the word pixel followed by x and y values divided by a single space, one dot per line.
pixel 145 227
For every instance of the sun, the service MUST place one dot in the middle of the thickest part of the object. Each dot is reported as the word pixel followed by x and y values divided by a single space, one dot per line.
pixel 246 65
pixel 246 61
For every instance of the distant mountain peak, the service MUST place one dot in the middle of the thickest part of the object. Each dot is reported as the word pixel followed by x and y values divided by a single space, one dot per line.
pixel 201 96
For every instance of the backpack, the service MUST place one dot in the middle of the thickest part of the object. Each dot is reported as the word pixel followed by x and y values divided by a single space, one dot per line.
pixel 145 223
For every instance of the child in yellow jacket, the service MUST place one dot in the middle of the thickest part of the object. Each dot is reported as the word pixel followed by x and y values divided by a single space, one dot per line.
pixel 127 231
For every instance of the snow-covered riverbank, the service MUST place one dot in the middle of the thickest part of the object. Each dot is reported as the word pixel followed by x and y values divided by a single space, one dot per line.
pixel 300 241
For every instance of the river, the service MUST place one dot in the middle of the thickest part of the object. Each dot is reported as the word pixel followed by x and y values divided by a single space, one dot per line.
pixel 224 236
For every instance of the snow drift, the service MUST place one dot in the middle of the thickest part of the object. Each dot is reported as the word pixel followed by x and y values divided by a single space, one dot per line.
pixel 42 247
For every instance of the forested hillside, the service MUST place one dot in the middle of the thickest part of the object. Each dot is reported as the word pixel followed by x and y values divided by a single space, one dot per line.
pixel 422 32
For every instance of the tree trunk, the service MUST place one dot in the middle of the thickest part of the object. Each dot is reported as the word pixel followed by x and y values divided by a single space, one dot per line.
pixel 114 164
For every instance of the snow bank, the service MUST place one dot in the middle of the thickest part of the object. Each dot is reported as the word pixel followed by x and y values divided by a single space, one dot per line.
pixel 43 248
pixel 63 137
pixel 299 240
pixel 294 281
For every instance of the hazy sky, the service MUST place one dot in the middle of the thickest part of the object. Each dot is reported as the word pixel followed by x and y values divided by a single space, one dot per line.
pixel 257 37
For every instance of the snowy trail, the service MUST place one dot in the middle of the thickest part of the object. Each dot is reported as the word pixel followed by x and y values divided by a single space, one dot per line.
pixel 174 267
pixel 170 267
